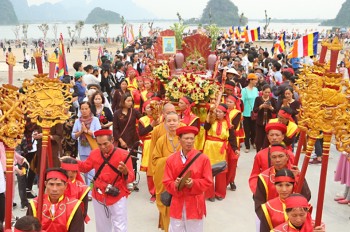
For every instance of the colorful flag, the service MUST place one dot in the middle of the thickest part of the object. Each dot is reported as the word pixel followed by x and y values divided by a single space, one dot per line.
pixel 62 63
pixel 231 30
pixel 279 46
pixel 140 31
pixel 252 35
pixel 305 46
pixel 100 54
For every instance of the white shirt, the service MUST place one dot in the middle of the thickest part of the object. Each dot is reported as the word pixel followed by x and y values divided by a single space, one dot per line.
pixel 90 79
pixel 183 157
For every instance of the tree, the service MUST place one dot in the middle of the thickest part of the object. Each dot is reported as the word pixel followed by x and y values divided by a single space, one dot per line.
pixel 79 27
pixel 44 28
pixel 15 30
pixel 97 29
pixel 71 32
pixel 222 13
pixel 267 22
pixel 54 29
pixel 25 31
pixel 343 17
pixel 104 29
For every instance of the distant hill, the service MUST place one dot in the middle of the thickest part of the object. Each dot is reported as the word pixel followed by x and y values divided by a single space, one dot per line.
pixel 343 17
pixel 223 13
pixel 74 10
pixel 99 15
pixel 8 15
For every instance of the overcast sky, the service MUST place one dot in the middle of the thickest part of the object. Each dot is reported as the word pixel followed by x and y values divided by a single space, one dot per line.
pixel 323 9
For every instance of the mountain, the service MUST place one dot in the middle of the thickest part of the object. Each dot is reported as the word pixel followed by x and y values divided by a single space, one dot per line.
pixel 343 17
pixel 68 10
pixel 99 15
pixel 8 15
pixel 222 13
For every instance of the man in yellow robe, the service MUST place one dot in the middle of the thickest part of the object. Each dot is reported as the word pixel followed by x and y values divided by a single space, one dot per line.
pixel 165 146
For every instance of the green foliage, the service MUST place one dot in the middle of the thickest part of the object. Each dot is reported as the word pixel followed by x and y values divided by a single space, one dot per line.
pixel 7 15
pixel 214 32
pixel 222 13
pixel 343 17
pixel 99 15
pixel 178 28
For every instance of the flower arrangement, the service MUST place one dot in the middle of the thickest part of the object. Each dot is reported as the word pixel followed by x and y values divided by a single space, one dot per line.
pixel 162 72
pixel 197 88
pixel 195 63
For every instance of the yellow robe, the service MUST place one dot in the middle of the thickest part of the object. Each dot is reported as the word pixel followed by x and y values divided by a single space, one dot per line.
pixel 157 132
pixel 292 128
pixel 133 85
pixel 161 152
pixel 213 147
pixel 146 140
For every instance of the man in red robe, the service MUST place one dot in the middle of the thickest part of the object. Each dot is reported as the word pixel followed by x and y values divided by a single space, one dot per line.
pixel 187 207
pixel 265 186
pixel 113 172
pixel 59 213
pixel 275 133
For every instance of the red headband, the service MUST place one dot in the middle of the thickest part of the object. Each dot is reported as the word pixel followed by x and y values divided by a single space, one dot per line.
pixel 56 175
pixel 102 132
pixel 185 100
pixel 284 179
pixel 278 148
pixel 284 114
pixel 227 86
pixel 232 98
pixel 296 202
pixel 156 98
pixel 222 108
pixel 187 130
pixel 69 167
pixel 147 79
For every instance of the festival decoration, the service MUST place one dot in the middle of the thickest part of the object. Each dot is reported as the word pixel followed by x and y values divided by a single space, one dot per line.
pixel 325 108
pixel 162 72
pixel 53 60
pixel 12 107
pixel 48 101
pixel 38 60
pixel 196 87
pixel 11 62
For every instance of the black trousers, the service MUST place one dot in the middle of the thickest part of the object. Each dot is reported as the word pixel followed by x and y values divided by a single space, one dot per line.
pixel 31 174
pixel 2 207
pixel 249 130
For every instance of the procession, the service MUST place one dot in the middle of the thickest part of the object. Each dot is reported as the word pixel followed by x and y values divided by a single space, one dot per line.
pixel 183 128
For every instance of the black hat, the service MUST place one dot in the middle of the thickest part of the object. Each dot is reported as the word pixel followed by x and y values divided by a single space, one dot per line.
pixel 87 67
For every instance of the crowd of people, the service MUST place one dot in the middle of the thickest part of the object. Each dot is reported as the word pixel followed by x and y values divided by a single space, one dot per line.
pixel 120 103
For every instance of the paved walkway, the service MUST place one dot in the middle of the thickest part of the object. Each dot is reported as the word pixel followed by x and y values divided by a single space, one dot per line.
pixel 236 212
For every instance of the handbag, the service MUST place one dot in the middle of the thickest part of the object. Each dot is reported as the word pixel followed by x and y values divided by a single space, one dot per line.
pixel 218 167
pixel 165 197
pixel 254 115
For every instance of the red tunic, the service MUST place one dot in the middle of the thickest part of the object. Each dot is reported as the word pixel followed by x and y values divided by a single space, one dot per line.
pixel 78 190
pixel 272 214
pixel 261 163
pixel 107 176
pixel 136 96
pixel 61 220
pixel 192 198
pixel 288 227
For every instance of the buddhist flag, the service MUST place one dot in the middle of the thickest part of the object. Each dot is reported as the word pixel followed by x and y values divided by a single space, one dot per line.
pixel 279 46
pixel 252 35
pixel 231 30
pixel 305 46
pixel 62 63
pixel 100 54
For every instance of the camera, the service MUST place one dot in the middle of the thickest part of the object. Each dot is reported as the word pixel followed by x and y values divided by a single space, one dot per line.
pixel 112 191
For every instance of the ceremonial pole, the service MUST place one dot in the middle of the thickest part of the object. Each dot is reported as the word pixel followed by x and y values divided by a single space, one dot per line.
pixel 11 130
pixel 53 60
pixel 11 62
pixel 48 100
pixel 38 60
pixel 10 152
pixel 302 138
pixel 327 136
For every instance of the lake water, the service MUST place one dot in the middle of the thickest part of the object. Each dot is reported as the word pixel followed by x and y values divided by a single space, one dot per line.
pixel 7 32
